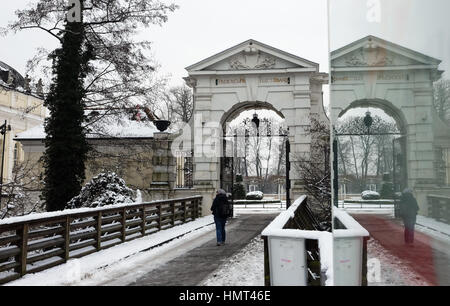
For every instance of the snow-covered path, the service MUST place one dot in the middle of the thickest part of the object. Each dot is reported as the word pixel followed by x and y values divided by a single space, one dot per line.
pixel 426 262
pixel 392 271
pixel 162 258
pixel 245 268
pixel 194 266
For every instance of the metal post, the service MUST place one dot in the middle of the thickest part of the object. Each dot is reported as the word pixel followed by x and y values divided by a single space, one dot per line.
pixel 335 173
pixel 288 169
pixel 3 130
pixel 394 179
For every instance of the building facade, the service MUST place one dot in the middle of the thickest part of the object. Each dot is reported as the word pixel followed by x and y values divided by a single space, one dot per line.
pixel 22 109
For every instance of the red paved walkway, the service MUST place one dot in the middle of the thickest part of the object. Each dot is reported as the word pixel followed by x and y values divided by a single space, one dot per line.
pixel 389 233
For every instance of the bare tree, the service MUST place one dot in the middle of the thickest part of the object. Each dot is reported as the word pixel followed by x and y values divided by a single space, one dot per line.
pixel 121 72
pixel 314 170
pixel 18 192
pixel 182 102
pixel 367 151
pixel 442 99
pixel 262 154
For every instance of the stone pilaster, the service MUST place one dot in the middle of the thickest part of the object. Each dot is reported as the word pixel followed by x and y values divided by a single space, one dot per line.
pixel 163 177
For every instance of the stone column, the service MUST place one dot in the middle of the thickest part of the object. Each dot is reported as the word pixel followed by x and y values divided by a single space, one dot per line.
pixel 300 138
pixel 164 163
pixel 422 177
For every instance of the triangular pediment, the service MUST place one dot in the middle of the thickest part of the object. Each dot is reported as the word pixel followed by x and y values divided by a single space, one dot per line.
pixel 372 51
pixel 251 55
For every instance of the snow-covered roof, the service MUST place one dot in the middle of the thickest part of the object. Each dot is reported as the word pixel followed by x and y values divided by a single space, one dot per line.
pixel 5 69
pixel 36 132
pixel 123 128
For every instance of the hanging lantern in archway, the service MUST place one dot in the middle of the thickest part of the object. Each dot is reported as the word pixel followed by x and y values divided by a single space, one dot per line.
pixel 256 120
pixel 368 121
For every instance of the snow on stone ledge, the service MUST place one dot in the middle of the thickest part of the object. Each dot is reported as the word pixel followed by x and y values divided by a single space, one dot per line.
pixel 353 228
pixel 36 132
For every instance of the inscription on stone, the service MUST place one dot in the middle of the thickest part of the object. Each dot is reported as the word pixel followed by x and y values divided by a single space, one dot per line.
pixel 348 77
pixel 392 76
pixel 231 81
pixel 275 80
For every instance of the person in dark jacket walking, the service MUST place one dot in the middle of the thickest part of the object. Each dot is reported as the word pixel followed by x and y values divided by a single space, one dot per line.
pixel 408 211
pixel 219 209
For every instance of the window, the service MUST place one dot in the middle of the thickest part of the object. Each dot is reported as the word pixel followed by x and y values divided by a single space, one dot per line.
pixel 16 153
pixel 184 170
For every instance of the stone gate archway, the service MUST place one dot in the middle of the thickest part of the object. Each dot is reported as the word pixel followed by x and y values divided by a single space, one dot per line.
pixel 375 72
pixel 252 75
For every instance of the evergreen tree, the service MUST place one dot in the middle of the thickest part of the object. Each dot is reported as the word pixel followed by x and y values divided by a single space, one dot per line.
pixel 239 188
pixel 65 143
pixel 107 188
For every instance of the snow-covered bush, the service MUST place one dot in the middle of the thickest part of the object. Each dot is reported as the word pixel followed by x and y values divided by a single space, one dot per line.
pixel 370 195
pixel 107 188
pixel 255 195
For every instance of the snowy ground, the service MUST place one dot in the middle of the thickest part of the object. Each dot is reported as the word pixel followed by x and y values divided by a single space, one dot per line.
pixel 245 268
pixel 435 229
pixel 385 269
pixel 393 271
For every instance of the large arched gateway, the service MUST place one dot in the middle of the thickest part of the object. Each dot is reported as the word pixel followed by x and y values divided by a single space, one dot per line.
pixel 253 75
pixel 372 72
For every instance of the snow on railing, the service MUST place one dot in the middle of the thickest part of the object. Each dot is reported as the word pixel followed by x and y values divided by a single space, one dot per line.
pixel 34 243
pixel 288 251
pixel 350 250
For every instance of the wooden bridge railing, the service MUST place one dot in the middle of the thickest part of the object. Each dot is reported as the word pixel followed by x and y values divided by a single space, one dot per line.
pixel 37 243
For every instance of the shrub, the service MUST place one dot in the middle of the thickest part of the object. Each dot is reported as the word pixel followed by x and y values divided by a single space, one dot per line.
pixel 255 195
pixel 239 191
pixel 107 188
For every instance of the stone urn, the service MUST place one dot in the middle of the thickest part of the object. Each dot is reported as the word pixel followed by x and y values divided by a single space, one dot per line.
pixel 162 125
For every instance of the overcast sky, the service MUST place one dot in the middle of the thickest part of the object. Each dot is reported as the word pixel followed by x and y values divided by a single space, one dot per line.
pixel 201 28
pixel 421 25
